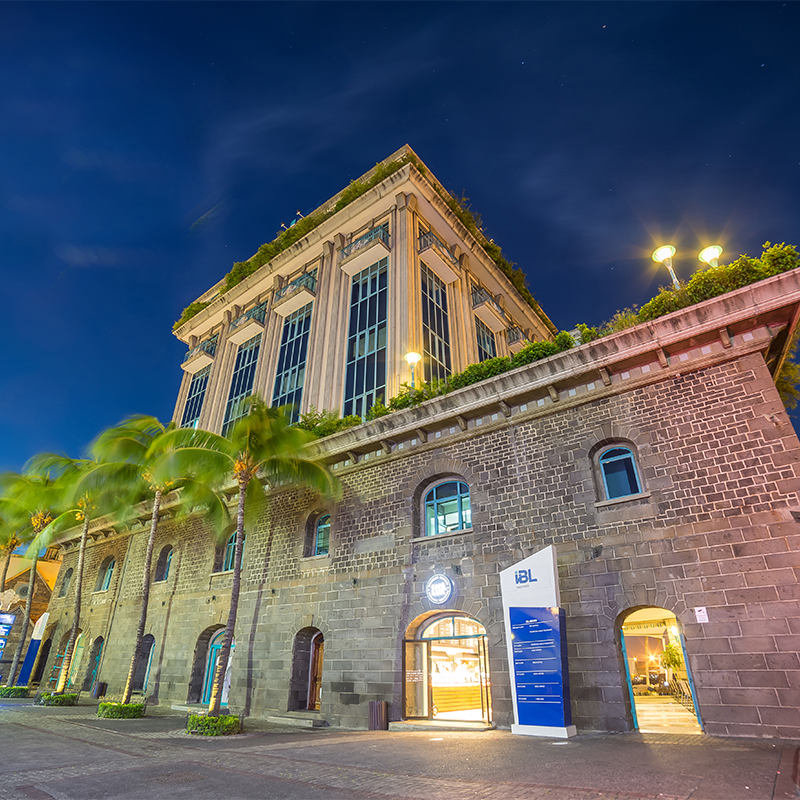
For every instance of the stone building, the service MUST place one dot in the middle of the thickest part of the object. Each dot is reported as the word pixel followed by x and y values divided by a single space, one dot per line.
pixel 659 461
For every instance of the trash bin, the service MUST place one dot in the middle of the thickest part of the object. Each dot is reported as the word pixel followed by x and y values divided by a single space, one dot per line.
pixel 99 690
pixel 378 715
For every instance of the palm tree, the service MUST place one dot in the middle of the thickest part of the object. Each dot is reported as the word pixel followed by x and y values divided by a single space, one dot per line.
pixel 9 542
pixel 261 445
pixel 126 451
pixel 29 500
pixel 86 493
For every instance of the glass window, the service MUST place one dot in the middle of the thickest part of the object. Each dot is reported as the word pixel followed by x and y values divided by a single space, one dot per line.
pixel 108 575
pixel 365 375
pixel 195 397
pixel 244 373
pixel 486 343
pixel 230 552
pixel 620 478
pixel 164 562
pixel 447 508
pixel 290 375
pixel 435 327
pixel 66 582
pixel 322 536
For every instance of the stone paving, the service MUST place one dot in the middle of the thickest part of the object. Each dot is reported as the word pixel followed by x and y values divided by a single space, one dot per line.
pixel 69 754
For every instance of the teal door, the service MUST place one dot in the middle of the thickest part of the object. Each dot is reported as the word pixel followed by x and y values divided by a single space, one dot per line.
pixel 628 679
pixel 214 649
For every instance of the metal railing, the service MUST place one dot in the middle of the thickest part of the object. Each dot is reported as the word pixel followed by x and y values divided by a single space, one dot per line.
pixel 259 314
pixel 381 232
pixel 480 295
pixel 514 335
pixel 430 239
pixel 208 346
pixel 307 279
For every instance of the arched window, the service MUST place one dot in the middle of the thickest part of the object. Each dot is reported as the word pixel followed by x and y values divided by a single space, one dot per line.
pixel 105 574
pixel 66 582
pixel 230 552
pixel 620 476
pixel 322 536
pixel 164 561
pixel 447 508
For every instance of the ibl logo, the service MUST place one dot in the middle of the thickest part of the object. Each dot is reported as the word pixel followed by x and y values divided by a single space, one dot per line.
pixel 524 576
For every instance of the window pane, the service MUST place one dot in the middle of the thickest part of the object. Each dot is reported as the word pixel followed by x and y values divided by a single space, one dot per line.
pixel 435 328
pixel 620 477
pixel 290 377
pixel 322 543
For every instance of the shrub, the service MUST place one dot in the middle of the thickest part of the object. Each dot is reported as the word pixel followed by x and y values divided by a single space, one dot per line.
pixel 121 710
pixel 51 699
pixel 13 691
pixel 191 310
pixel 377 410
pixel 202 725
pixel 324 423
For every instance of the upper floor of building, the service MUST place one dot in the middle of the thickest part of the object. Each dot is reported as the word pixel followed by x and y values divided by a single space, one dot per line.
pixel 327 322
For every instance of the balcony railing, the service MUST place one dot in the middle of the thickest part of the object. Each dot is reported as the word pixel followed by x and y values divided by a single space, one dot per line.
pixel 307 280
pixel 381 232
pixel 480 296
pixel 514 335
pixel 209 346
pixel 430 239
pixel 258 314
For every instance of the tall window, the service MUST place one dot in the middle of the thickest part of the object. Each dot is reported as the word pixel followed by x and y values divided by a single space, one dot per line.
pixel 66 582
pixel 322 536
pixel 106 573
pixel 164 562
pixel 486 343
pixel 447 508
pixel 244 373
pixel 292 361
pixel 620 477
pixel 365 377
pixel 229 555
pixel 194 400
pixel 435 327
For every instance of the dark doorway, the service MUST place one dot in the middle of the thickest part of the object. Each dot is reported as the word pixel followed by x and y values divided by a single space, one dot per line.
pixel 305 688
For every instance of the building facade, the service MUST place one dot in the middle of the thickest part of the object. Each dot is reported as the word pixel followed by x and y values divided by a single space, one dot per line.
pixel 659 461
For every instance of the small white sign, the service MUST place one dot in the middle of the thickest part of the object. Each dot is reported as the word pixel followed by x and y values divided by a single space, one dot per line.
pixel 701 614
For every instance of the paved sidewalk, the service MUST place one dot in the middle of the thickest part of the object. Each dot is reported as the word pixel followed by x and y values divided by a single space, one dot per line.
pixel 69 754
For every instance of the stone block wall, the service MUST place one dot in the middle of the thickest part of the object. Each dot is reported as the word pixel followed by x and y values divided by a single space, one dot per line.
pixel 713 527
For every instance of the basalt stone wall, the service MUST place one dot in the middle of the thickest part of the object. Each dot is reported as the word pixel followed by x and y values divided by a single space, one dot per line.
pixel 713 527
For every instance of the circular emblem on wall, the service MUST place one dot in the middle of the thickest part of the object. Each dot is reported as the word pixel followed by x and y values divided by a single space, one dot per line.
pixel 439 589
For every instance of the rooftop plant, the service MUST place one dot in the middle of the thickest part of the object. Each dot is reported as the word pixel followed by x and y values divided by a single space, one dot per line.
pixel 283 241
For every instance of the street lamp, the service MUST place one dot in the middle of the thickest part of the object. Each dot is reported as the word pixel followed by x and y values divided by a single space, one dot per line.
pixel 413 359
pixel 663 255
pixel 710 255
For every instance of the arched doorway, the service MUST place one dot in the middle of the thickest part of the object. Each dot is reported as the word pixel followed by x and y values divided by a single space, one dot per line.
pixel 214 650
pixel 657 672
pixel 305 688
pixel 446 670
pixel 143 664
pixel 93 665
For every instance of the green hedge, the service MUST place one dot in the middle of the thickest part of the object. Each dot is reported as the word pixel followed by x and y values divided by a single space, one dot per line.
pixel 202 725
pixel 13 691
pixel 51 699
pixel 120 710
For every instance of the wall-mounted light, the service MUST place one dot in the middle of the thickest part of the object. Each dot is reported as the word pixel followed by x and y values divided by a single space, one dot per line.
pixel 413 359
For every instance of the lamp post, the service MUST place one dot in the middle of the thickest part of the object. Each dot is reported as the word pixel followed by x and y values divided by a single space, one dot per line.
pixel 413 359
pixel 663 255
pixel 710 255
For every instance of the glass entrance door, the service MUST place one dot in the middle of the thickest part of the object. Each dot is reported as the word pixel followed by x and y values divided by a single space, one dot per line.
pixel 417 672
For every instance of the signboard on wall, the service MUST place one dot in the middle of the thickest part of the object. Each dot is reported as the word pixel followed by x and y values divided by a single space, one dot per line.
pixel 537 647
pixel 33 649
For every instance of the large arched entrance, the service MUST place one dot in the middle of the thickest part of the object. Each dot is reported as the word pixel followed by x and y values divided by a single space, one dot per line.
pixel 657 672
pixel 214 650
pixel 94 664
pixel 446 670
pixel 206 655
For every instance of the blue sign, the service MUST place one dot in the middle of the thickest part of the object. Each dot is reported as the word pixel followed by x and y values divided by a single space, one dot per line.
pixel 539 648
pixel 7 619
pixel 439 589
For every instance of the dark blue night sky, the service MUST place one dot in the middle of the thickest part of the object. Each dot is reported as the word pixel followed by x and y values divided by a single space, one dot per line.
pixel 148 146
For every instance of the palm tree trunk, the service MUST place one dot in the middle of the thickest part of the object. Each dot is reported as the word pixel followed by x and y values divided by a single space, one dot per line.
pixel 65 664
pixel 222 664
pixel 5 568
pixel 25 622
pixel 148 560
